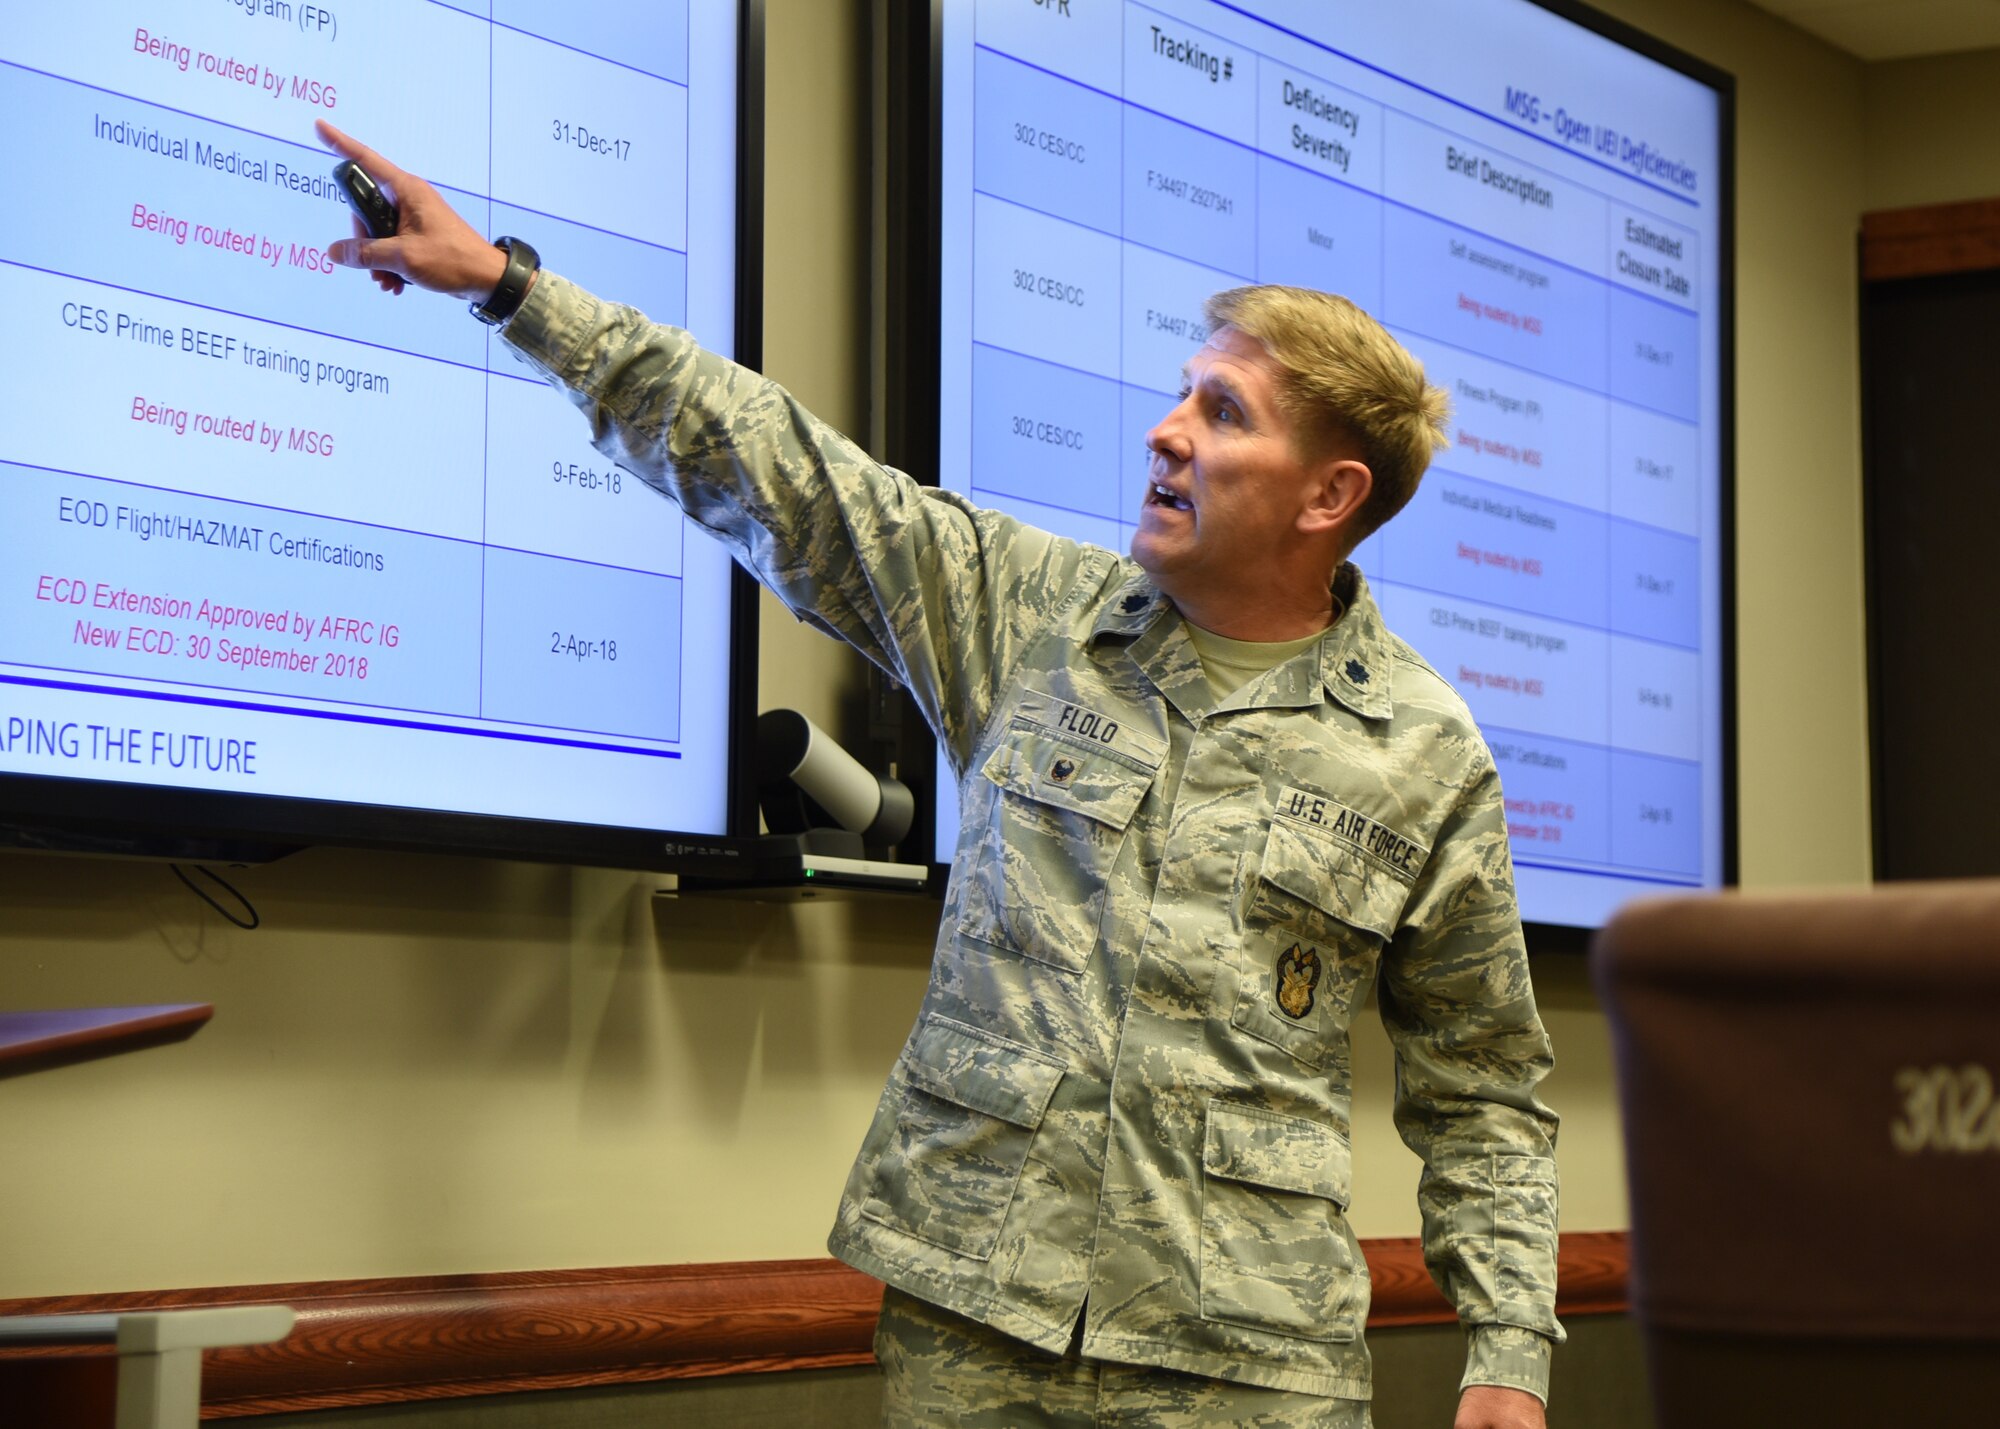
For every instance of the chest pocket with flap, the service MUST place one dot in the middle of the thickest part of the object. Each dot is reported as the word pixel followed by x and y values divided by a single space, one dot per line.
pixel 1060 806
pixel 1318 914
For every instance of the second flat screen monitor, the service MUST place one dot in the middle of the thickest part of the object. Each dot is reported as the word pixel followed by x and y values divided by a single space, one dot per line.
pixel 1535 209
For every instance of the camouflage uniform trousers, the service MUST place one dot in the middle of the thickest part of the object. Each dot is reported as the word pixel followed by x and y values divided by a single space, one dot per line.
pixel 941 1368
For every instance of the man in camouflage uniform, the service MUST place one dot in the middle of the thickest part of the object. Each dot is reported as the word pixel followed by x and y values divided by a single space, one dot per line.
pixel 1209 801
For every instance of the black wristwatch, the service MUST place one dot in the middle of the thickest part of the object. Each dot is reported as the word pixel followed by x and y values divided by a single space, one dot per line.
pixel 522 263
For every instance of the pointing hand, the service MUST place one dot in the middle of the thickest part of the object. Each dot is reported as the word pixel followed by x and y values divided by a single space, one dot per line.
pixel 433 247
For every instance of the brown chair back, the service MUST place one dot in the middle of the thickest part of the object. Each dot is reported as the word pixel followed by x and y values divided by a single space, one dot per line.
pixel 1811 1094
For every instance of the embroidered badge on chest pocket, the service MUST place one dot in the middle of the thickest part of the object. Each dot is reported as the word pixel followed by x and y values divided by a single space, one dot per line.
pixel 1299 972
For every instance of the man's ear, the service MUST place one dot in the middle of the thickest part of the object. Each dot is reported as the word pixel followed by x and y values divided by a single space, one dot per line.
pixel 1340 488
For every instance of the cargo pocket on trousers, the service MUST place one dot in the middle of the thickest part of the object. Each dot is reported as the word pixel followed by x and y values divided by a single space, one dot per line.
pixel 970 1104
pixel 1059 810
pixel 1275 1249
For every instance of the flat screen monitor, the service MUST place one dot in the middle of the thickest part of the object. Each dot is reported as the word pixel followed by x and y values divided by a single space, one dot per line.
pixel 1535 201
pixel 284 558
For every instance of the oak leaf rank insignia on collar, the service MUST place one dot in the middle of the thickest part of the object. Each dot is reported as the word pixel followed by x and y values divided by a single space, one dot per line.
pixel 1298 978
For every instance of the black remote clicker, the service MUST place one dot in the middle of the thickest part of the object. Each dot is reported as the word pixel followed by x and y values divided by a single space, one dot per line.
pixel 371 205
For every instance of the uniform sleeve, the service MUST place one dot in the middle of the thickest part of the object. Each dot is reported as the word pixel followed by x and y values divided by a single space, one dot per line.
pixel 1470 1050
pixel 941 595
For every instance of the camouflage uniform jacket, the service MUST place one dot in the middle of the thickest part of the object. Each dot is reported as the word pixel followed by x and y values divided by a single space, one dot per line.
pixel 1128 1084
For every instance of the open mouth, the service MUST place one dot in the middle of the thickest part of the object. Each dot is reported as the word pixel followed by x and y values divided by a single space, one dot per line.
pixel 1158 495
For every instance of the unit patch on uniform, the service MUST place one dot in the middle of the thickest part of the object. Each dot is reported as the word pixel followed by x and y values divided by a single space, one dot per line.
pixel 1062 771
pixel 1298 978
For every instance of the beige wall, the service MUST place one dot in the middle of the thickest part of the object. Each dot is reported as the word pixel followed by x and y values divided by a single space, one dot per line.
pixel 1932 130
pixel 426 1065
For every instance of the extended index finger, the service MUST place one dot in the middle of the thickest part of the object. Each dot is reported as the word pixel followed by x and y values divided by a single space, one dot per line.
pixel 349 147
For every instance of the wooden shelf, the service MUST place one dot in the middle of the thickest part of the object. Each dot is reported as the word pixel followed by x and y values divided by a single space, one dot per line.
pixel 30 1041
pixel 440 1337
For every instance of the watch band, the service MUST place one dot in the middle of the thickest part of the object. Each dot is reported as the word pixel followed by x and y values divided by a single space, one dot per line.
pixel 522 264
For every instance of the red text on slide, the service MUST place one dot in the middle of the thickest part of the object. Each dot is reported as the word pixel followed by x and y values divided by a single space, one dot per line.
pixel 232 69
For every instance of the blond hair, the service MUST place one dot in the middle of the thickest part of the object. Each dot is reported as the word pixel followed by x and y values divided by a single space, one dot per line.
pixel 1344 376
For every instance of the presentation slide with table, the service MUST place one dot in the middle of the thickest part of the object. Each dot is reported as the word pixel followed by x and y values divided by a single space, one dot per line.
pixel 266 529
pixel 1533 210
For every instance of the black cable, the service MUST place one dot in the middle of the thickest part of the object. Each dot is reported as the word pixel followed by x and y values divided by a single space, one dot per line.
pixel 234 892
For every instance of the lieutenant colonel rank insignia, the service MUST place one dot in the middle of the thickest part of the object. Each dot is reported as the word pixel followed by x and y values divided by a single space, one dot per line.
pixel 1062 771
pixel 1298 976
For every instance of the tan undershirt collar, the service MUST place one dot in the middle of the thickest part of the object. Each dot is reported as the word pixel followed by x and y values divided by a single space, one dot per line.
pixel 1232 664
